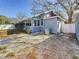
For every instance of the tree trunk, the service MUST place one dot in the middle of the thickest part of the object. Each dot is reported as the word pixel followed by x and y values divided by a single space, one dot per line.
pixel 70 16
pixel 70 20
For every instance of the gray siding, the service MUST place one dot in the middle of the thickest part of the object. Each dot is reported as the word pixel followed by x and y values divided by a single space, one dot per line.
pixel 51 25
pixel 37 29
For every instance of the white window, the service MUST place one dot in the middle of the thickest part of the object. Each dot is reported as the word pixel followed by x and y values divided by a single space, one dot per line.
pixel 38 22
pixel 41 22
pixel 35 23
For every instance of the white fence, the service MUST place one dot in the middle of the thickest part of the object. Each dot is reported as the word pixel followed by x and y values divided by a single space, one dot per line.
pixel 7 26
pixel 68 28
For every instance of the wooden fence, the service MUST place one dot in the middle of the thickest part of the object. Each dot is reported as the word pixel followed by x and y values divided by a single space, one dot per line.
pixel 68 28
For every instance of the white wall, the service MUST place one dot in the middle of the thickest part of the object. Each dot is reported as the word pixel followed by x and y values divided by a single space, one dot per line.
pixel 7 26
pixel 51 25
pixel 68 28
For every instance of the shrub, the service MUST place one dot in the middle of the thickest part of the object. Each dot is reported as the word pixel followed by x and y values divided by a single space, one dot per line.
pixel 75 57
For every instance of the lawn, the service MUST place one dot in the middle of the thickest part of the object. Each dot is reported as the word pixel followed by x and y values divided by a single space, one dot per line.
pixel 15 43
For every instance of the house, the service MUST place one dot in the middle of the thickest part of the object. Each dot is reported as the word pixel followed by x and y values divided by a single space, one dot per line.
pixel 40 22
pixel 7 26
pixel 48 21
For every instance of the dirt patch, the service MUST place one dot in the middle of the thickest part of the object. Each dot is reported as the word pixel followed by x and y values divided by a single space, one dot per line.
pixel 41 47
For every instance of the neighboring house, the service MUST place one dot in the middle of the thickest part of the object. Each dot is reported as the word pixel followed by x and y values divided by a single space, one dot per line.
pixel 7 26
pixel 77 22
pixel 6 29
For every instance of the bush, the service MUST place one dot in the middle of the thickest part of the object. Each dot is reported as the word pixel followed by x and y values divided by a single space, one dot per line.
pixel 11 31
pixel 75 57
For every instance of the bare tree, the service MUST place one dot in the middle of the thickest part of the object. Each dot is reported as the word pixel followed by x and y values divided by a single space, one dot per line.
pixel 63 8
pixel 40 6
pixel 20 15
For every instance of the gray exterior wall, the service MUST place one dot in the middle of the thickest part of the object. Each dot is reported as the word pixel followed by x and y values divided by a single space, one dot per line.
pixel 51 25
pixel 37 29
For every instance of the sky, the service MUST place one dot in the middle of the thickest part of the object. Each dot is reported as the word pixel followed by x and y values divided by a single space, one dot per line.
pixel 11 8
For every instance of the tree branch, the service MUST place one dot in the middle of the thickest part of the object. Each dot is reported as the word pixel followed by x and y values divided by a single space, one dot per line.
pixel 60 16
pixel 64 7
pixel 77 4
